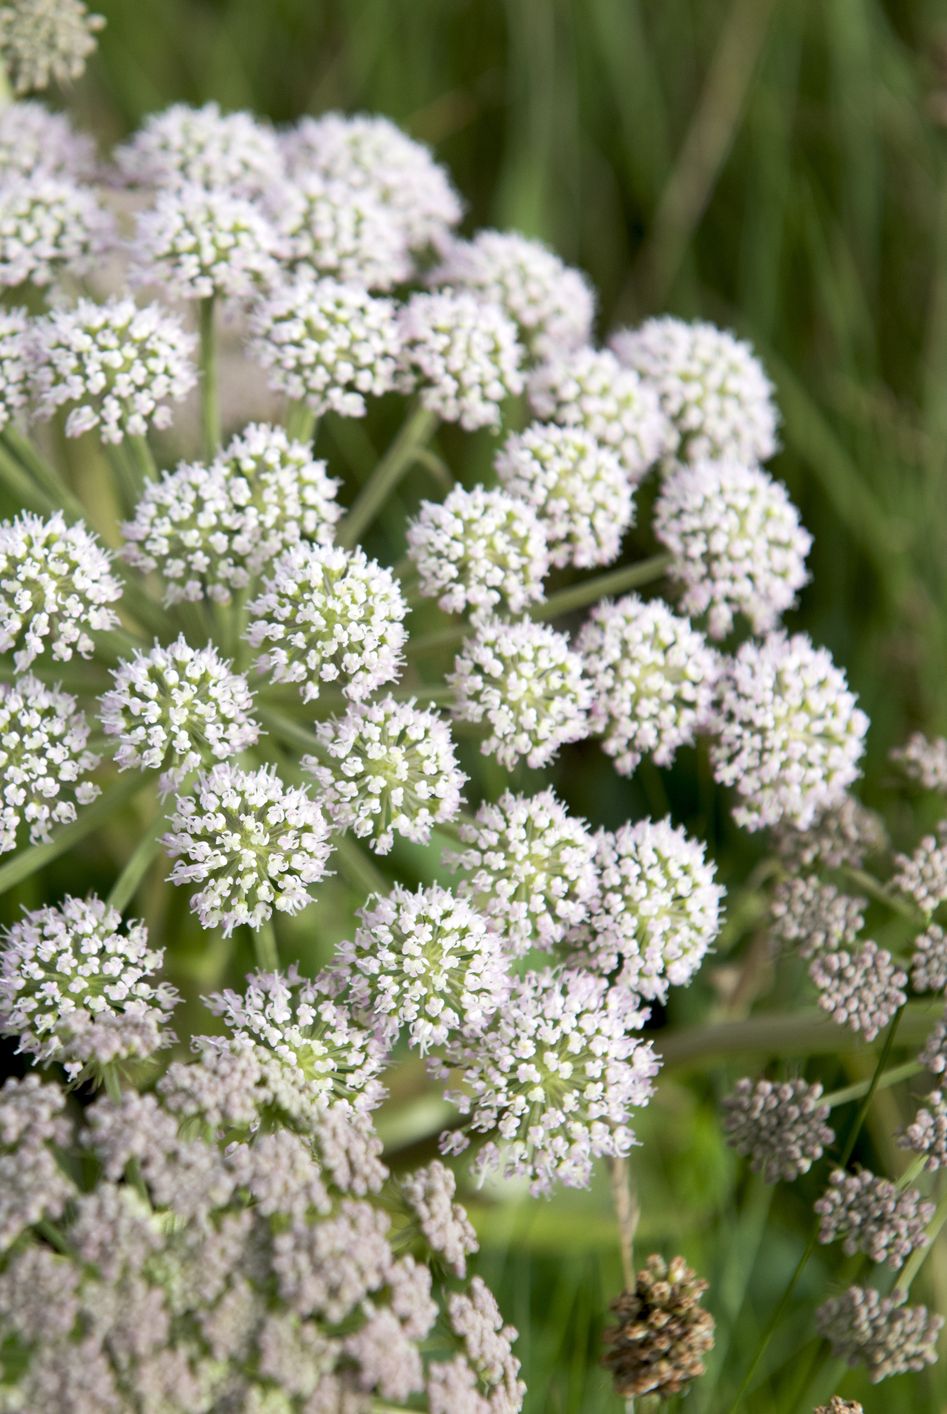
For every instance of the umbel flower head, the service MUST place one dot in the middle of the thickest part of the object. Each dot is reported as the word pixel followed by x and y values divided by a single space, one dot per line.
pixel 371 154
pixel 712 389
pixel 588 389
pixel 924 760
pixel 329 617
pixel 173 709
pixel 929 963
pixel 779 1126
pixel 56 586
pixel 652 677
pixel 429 1192
pixel 922 876
pixel 424 962
pixel 43 42
pixel 326 344
pixel 556 1076
pixel 552 306
pixel 927 1133
pixel 873 1215
pixel 656 909
pixel 198 244
pixel 114 366
pixel 528 865
pixel 76 989
pixel 13 363
pixel 789 732
pixel 577 487
pixel 253 843
pixel 478 550
pixel 814 916
pixel 49 227
pixel 837 1405
pixel 232 152
pixel 211 530
pixel 33 139
pixel 861 987
pixel 331 228
pixel 45 760
pixel 387 768
pixel 461 354
pixel 525 683
pixel 866 1328
pixel 662 1332
pixel 736 543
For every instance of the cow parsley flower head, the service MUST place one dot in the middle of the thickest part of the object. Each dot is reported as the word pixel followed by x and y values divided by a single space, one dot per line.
pixel 326 344
pixel 865 1328
pixel 371 154
pixel 334 229
pixel 114 366
pixel 873 1215
pixel 736 543
pixel 589 389
pixel 713 389
pixel 861 988
pixel 528 865
pixel 32 1125
pixel 923 760
pixel 429 1193
pixel 76 989
pixel 552 305
pixel 424 962
pixel 14 342
pixel 653 677
pixel 779 1126
pixel 929 963
pixel 232 152
pixel 479 550
pixel 33 139
pixel 45 760
pixel 578 489
pixel 927 1134
pixel 487 1363
pixel 463 356
pixel 922 876
pixel 815 916
pixel 56 586
pixel 253 843
pixel 526 685
pixel 656 911
pixel 789 733
pixel 843 836
pixel 45 42
pixel 387 768
pixel 50 227
pixel 316 1040
pixel 556 1075
pixel 175 708
pixel 197 244
pixel 211 530
pixel 329 617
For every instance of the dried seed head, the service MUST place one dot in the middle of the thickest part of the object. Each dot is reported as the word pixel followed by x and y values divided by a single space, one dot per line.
pixel 662 1332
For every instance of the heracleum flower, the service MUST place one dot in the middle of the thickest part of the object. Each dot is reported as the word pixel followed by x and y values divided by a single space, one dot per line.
pixel 656 910
pixel 712 387
pixel 45 761
pixel 251 842
pixel 780 1126
pixel 196 243
pixel 924 760
pixel 211 530
pixel 873 1215
pixel 528 865
pixel 526 685
pixel 173 709
pixel 50 227
pixel 232 152
pixel 43 42
pixel 663 1333
pixel 33 139
pixel 425 962
pixel 328 617
pixel 865 1328
pixel 461 354
pixel 115 367
pixel 334 229
pixel 929 962
pixel 14 369
pixel 75 988
pixel 736 543
pixel 927 1133
pixel 556 1075
pixel 387 768
pixel 56 586
pixel 652 676
pixel 577 487
pixel 326 344
pixel 552 305
pixel 589 389
pixel 814 916
pixel 478 550
pixel 429 1193
pixel 371 154
pixel 860 988
pixel 922 876
pixel 789 733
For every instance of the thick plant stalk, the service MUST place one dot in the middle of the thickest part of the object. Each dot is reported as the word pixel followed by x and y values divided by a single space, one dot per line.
pixel 389 471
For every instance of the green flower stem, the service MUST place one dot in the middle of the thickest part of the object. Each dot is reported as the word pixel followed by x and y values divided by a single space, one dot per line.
pixel 301 423
pixel 22 486
pixel 28 861
pixel 358 867
pixel 54 1237
pixel 876 890
pixel 210 411
pixel 917 1258
pixel 287 730
pixel 588 591
pixel 442 638
pixel 913 1171
pixel 113 1086
pixel 129 881
pixel 141 459
pixel 264 947
pixel 808 1033
pixel 389 471
pixel 42 472
pixel 860 1087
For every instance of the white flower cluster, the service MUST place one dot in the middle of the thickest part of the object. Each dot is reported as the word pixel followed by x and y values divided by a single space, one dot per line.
pixel 231 152
pixel 462 355
pixel 46 41
pixel 922 876
pixel 45 760
pixel 13 364
pixel 334 229
pixel 50 227
pixel 35 140
pixel 200 244
pixel 429 1192
pixel 479 550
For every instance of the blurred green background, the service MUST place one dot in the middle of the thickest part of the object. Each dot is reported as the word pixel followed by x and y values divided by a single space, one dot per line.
pixel 777 166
